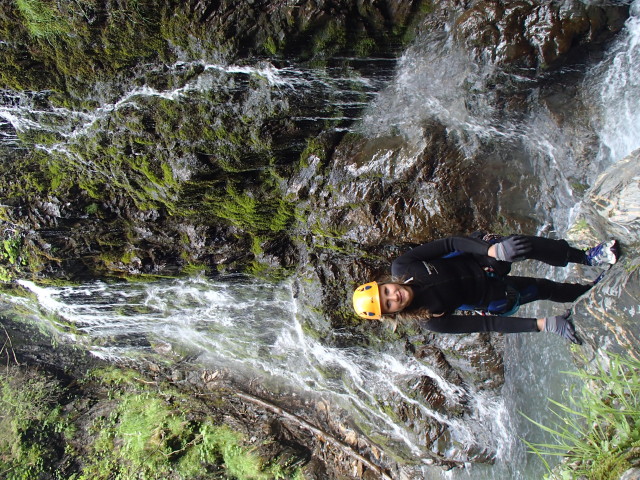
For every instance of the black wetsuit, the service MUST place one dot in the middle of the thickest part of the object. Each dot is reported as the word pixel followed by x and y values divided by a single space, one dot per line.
pixel 471 278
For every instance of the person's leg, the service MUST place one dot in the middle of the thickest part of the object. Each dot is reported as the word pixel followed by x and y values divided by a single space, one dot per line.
pixel 554 252
pixel 558 252
pixel 532 289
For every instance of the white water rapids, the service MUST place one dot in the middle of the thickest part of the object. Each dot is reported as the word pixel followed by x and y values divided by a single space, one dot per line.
pixel 258 329
pixel 255 330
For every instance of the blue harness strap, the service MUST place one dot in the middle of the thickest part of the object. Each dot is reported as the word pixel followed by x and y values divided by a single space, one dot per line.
pixel 496 307
pixel 506 306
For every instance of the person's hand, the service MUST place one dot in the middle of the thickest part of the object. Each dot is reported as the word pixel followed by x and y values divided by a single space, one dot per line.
pixel 562 325
pixel 512 249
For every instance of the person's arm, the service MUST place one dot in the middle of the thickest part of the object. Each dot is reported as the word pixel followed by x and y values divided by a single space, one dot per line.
pixel 442 247
pixel 560 325
pixel 481 323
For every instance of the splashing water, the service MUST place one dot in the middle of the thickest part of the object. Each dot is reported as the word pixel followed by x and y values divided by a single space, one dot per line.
pixel 255 330
pixel 30 111
pixel 436 81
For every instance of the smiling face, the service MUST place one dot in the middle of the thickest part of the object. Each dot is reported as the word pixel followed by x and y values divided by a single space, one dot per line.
pixel 395 297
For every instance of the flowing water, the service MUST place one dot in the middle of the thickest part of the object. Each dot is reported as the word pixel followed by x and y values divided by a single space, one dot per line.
pixel 258 330
pixel 329 98
pixel 255 330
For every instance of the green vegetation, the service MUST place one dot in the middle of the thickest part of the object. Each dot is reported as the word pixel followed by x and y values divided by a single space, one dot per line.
pixel 12 257
pixel 579 188
pixel 598 431
pixel 30 424
pixel 136 429
pixel 270 46
pixel 314 147
pixel 243 210
pixel 70 44
pixel 41 20
pixel 213 149
pixel 11 249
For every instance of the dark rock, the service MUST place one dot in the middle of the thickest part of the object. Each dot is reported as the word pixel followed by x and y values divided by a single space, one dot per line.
pixel 537 35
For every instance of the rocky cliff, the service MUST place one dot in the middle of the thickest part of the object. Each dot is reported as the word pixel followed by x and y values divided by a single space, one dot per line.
pixel 178 188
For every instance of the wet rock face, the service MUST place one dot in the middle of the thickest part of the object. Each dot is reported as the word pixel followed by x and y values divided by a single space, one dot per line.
pixel 307 28
pixel 378 197
pixel 607 318
pixel 537 35
pixel 394 192
pixel 386 193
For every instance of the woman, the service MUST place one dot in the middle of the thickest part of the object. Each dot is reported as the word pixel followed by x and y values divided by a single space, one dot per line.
pixel 433 280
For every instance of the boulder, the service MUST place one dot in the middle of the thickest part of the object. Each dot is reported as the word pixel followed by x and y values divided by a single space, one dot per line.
pixel 536 35
pixel 607 317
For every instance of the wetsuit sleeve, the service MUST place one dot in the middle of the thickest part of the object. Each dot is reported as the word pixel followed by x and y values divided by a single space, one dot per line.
pixel 479 323
pixel 440 248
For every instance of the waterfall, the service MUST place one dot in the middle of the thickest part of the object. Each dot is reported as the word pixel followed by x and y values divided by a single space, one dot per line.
pixel 615 84
pixel 437 81
pixel 304 91
pixel 255 330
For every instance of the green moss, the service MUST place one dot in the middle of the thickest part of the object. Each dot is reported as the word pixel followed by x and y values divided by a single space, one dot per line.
pixel 6 275
pixel 266 272
pixel 314 147
pixel 41 19
pixel 192 269
pixel 426 7
pixel 150 434
pixel 11 249
pixel 39 137
pixel 30 425
pixel 256 245
pixel 270 46
pixel 245 211
pixel 581 226
pixel 329 40
pixel 579 188
pixel 364 47
pixel 14 256
pixel 92 209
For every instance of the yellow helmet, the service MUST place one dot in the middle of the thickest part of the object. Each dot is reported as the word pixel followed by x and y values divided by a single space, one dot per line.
pixel 366 301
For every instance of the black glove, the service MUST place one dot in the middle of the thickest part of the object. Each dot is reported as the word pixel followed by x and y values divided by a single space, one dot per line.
pixel 513 249
pixel 562 325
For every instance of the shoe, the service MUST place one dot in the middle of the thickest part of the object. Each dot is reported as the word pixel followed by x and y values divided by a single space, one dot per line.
pixel 605 253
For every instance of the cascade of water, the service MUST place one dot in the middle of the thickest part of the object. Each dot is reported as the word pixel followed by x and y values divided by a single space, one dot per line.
pixel 254 330
pixel 28 111
pixel 615 85
pixel 552 146
pixel 433 79
pixel 437 81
